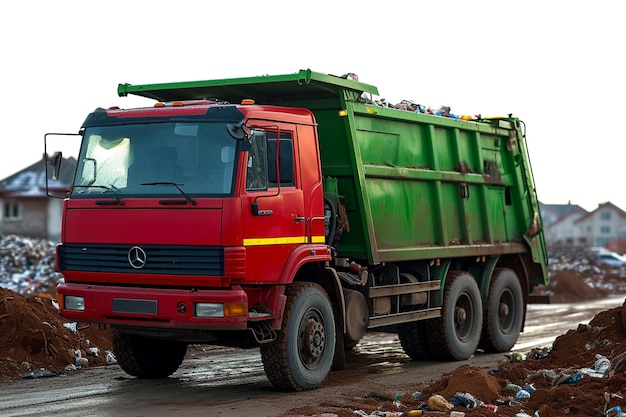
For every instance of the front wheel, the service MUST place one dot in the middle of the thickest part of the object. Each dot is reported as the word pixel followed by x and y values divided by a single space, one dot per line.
pixel 302 354
pixel 455 335
pixel 144 357
pixel 505 313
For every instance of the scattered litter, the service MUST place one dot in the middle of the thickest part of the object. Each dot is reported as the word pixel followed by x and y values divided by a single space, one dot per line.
pixel 110 358
pixel 39 373
pixel 72 326
pixel 465 400
pixel 439 403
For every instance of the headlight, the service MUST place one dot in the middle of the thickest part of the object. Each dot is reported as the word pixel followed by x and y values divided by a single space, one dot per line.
pixel 73 302
pixel 209 310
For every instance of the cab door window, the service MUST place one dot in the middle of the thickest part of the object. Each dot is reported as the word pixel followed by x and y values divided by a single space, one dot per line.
pixel 262 161
pixel 285 159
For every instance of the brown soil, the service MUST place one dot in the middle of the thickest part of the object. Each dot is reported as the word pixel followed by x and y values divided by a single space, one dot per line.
pixel 567 286
pixel 35 339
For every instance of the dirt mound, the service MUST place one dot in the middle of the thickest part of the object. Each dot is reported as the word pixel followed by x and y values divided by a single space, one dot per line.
pixel 566 380
pixel 37 341
pixel 567 286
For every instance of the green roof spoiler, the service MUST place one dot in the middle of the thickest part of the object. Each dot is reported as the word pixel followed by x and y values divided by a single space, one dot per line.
pixel 263 89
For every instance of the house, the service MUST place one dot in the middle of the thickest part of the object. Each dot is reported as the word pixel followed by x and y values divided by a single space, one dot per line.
pixel 604 227
pixel 559 224
pixel 26 209
pixel 571 225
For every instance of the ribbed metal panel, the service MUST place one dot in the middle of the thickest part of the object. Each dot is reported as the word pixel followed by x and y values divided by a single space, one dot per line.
pixel 175 260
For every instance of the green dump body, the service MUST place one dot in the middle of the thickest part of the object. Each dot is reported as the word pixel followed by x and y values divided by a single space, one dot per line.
pixel 415 186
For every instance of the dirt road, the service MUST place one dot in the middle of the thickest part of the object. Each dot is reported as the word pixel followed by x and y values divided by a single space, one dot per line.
pixel 231 382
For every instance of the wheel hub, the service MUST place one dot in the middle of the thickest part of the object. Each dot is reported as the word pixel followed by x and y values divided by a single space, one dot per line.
pixel 504 310
pixel 460 315
pixel 314 338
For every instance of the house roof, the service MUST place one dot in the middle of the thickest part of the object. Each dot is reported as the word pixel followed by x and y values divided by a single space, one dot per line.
pixel 31 181
pixel 575 214
pixel 562 210
pixel 601 206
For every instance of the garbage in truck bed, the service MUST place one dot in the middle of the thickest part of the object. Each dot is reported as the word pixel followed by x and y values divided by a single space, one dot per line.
pixel 408 105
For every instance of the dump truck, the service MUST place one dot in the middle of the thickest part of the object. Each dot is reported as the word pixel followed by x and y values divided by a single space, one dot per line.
pixel 294 213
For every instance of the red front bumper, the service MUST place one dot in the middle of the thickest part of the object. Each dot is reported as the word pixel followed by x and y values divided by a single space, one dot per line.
pixel 149 307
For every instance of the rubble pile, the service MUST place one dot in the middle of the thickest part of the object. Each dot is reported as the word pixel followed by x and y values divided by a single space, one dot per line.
pixel 583 374
pixel 574 276
pixel 37 341
pixel 28 265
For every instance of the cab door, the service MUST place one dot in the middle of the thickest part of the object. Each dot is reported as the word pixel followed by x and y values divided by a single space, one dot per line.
pixel 273 204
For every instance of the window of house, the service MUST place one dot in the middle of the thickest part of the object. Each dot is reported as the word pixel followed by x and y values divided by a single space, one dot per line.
pixel 605 215
pixel 11 211
pixel 605 230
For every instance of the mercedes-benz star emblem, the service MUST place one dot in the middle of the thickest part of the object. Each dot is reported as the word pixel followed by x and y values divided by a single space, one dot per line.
pixel 137 257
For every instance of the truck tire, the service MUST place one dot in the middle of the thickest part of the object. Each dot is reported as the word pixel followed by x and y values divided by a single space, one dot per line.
pixel 456 334
pixel 302 354
pixel 148 358
pixel 505 312
pixel 414 342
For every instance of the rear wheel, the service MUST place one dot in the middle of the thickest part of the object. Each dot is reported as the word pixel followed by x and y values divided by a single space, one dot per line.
pixel 505 312
pixel 414 341
pixel 302 354
pixel 145 357
pixel 455 335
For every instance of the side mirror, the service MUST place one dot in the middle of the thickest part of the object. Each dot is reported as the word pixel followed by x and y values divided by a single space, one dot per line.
pixel 56 166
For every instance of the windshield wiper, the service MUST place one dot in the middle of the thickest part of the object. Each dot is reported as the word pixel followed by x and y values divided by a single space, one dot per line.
pixel 189 199
pixel 112 189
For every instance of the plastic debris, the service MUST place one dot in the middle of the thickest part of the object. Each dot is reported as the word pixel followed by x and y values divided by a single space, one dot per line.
pixel 602 364
pixel 539 353
pixel 72 326
pixel 514 357
pixel 571 379
pixel 612 411
pixel 39 373
pixel 522 394
pixel 438 403
pixel 464 400
pixel 513 387
pixel 492 407
pixel 110 357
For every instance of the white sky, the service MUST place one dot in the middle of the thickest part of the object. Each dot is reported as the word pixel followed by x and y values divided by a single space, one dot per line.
pixel 558 65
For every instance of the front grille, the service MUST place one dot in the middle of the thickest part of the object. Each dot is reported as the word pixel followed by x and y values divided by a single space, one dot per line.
pixel 160 259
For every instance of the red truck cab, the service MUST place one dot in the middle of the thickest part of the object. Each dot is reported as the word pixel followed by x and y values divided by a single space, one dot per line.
pixel 188 219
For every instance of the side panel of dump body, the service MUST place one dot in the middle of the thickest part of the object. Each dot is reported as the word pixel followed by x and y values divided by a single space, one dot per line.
pixel 435 187
pixel 421 187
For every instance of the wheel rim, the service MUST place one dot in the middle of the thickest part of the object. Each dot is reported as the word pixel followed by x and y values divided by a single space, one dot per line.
pixel 312 340
pixel 506 307
pixel 463 317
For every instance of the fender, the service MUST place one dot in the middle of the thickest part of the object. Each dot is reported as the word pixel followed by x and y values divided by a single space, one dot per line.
pixel 300 256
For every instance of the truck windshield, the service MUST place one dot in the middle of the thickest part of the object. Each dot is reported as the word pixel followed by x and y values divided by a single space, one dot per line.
pixel 143 160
